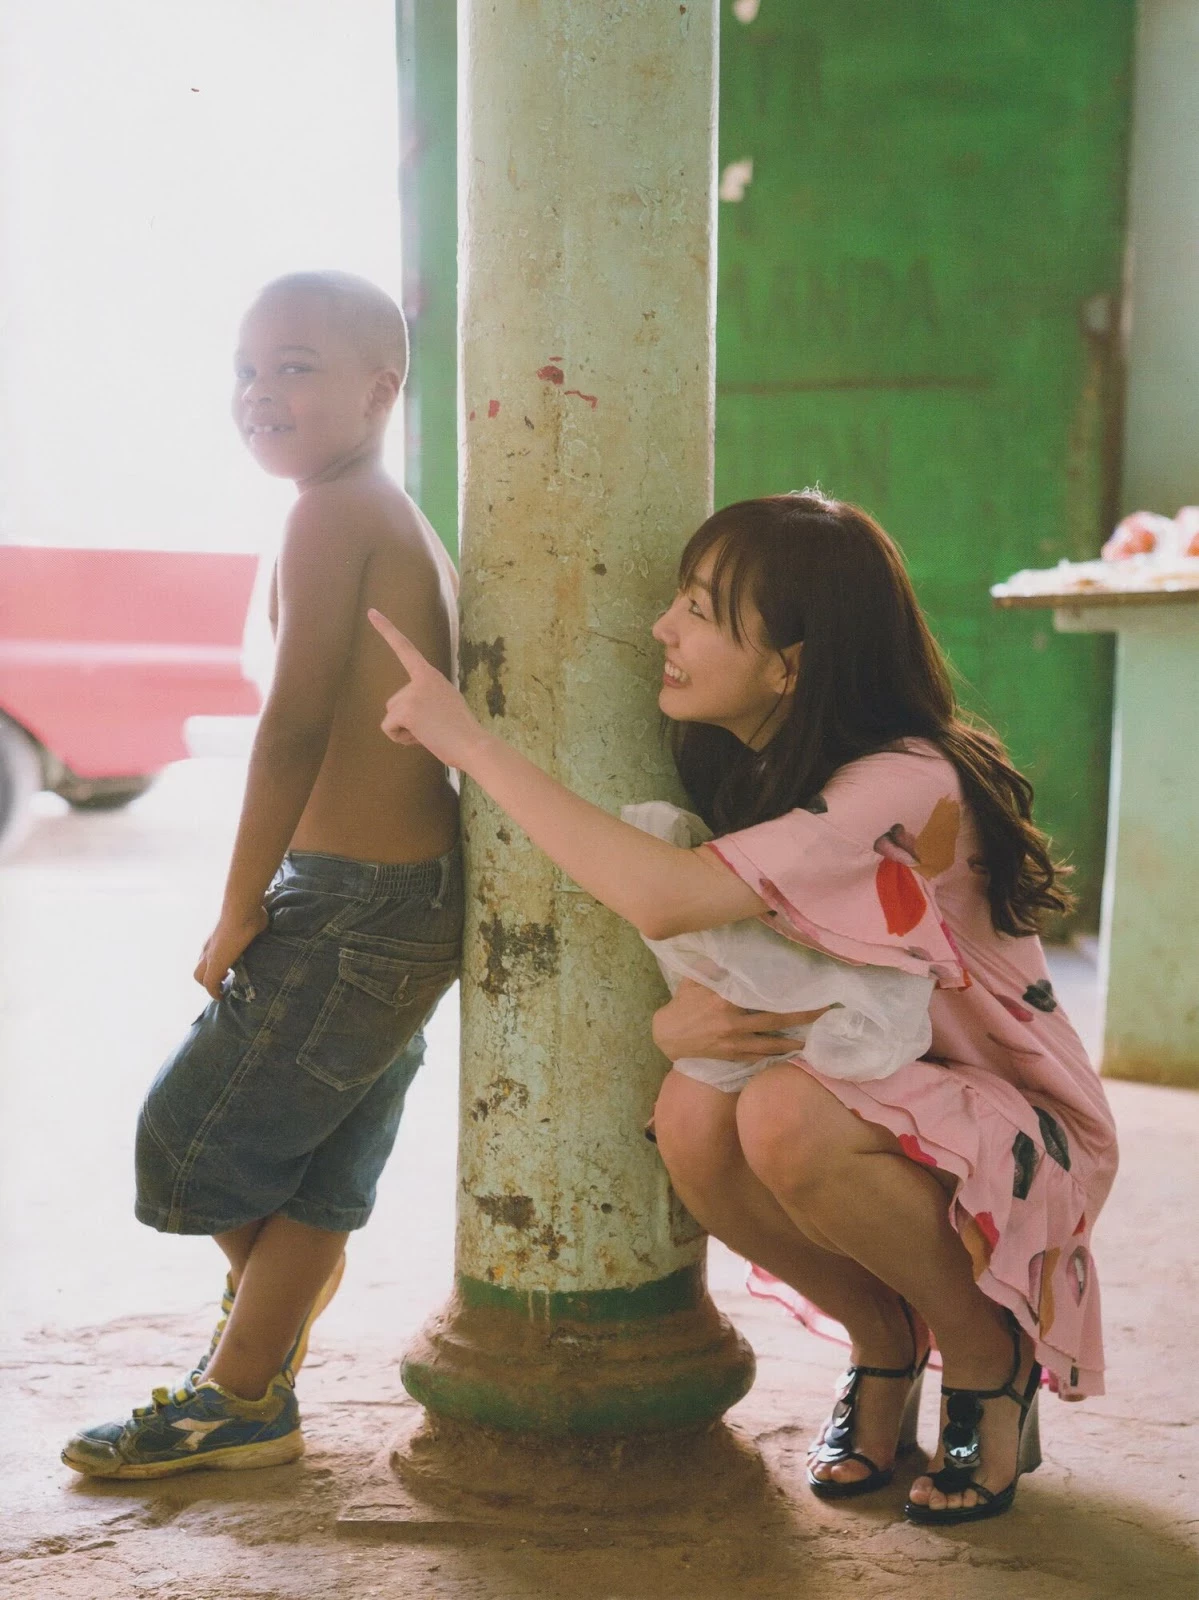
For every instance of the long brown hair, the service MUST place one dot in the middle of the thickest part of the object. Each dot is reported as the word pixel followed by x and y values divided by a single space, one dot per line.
pixel 823 573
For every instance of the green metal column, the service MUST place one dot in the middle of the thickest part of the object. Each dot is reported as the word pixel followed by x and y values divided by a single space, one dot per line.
pixel 426 42
pixel 587 361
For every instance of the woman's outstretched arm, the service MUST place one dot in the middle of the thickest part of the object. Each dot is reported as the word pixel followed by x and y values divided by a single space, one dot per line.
pixel 661 889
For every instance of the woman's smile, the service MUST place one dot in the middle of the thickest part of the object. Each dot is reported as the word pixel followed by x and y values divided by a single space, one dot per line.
pixel 734 682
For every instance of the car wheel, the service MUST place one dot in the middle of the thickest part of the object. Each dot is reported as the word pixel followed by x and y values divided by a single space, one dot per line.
pixel 102 794
pixel 20 780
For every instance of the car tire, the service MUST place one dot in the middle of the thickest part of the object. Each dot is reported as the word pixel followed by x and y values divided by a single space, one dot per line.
pixel 102 794
pixel 20 780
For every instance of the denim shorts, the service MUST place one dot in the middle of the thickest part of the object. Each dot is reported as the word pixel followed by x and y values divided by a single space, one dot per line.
pixel 287 1093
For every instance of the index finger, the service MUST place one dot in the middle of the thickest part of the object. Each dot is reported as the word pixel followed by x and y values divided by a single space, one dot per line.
pixel 403 647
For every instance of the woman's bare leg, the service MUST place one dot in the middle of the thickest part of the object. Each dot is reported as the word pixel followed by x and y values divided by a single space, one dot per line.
pixel 850 1179
pixel 696 1128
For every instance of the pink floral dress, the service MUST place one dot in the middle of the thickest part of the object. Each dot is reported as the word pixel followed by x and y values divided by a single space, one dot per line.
pixel 878 869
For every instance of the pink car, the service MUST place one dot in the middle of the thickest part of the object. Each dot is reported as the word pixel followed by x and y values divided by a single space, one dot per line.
pixel 104 655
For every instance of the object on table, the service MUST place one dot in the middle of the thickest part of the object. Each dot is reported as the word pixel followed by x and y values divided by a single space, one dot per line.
pixel 1144 533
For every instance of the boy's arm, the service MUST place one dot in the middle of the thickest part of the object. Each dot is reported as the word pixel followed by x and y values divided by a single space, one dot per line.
pixel 319 579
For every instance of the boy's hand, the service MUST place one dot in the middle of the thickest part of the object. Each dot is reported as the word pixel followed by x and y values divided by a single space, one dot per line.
pixel 428 710
pixel 225 943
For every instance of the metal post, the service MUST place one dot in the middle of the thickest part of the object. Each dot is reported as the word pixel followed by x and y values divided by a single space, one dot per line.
pixel 426 52
pixel 580 1367
pixel 586 183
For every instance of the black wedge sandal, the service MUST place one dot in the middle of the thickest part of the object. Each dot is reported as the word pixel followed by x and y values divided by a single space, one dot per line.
pixel 836 1444
pixel 962 1443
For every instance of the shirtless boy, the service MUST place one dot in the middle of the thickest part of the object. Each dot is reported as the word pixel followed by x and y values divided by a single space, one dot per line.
pixel 341 920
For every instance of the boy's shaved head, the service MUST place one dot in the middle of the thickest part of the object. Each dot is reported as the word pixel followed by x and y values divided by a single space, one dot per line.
pixel 368 318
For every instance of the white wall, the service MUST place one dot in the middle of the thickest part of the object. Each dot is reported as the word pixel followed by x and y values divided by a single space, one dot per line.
pixel 1161 458
pixel 159 160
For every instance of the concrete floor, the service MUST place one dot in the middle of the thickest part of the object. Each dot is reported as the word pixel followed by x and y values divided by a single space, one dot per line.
pixel 100 921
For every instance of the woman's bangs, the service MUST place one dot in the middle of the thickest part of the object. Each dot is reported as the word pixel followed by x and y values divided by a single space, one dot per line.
pixel 734 569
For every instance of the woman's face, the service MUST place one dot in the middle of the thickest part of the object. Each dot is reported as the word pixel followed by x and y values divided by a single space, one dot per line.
pixel 709 677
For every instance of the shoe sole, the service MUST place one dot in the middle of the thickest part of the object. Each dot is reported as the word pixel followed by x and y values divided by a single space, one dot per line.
pixel 237 1458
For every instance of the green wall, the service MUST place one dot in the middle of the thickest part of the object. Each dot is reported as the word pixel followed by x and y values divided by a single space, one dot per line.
pixel 918 309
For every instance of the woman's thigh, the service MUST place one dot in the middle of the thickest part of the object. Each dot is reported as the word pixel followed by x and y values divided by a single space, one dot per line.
pixel 789 1127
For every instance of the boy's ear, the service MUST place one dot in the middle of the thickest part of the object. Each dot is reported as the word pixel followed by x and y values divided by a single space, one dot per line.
pixel 385 390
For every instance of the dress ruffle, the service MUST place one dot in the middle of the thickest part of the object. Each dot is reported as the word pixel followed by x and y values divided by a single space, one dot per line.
pixel 843 898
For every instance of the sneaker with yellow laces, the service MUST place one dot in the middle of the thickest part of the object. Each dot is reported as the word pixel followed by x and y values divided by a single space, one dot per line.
pixel 194 1427
pixel 226 1307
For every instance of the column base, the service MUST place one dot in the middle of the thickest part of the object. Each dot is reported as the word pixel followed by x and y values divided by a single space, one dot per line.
pixel 456 1483
pixel 653 1359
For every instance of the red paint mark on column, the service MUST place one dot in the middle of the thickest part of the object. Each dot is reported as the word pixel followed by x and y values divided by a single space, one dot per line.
pixel 551 374
pixel 473 415
pixel 493 408
pixel 591 399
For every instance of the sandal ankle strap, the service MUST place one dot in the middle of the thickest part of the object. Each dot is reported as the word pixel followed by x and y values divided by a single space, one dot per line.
pixel 914 1367
pixel 885 1372
pixel 1007 1389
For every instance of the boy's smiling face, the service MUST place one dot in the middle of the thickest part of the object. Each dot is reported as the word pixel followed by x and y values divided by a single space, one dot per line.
pixel 305 399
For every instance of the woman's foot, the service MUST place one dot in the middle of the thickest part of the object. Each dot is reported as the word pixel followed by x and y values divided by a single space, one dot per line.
pixel 899 1346
pixel 999 1429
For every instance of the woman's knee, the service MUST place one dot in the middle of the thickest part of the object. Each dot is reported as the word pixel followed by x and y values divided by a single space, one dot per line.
pixel 781 1129
pixel 696 1130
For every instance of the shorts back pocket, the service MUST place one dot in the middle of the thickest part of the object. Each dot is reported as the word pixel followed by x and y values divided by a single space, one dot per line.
pixel 361 1026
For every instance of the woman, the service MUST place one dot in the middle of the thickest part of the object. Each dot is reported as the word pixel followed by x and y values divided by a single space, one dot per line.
pixel 816 731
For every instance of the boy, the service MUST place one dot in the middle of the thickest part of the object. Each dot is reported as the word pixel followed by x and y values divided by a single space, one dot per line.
pixel 341 920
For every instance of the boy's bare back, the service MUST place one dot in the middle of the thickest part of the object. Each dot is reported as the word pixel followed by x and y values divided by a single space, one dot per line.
pixel 319 365
pixel 351 544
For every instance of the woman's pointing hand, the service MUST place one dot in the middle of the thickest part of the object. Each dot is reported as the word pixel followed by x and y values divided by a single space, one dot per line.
pixel 428 710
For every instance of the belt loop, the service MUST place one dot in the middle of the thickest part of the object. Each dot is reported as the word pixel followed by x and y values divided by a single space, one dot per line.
pixel 443 881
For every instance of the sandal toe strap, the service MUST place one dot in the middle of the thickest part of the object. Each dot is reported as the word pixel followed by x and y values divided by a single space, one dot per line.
pixel 835 1458
pixel 955 1480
